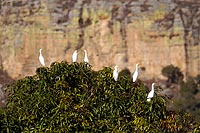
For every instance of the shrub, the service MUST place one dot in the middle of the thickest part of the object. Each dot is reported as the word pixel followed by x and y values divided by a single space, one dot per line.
pixel 189 88
pixel 74 98
pixel 187 101
pixel 125 72
pixel 173 74
pixel 197 78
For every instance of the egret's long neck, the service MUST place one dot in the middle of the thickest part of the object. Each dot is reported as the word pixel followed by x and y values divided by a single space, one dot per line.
pixel 115 68
pixel 136 68
pixel 152 87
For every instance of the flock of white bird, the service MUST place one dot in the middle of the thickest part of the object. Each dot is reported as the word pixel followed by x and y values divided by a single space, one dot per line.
pixel 135 76
pixel 115 72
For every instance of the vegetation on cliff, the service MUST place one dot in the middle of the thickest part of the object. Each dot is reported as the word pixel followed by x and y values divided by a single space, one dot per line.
pixel 74 98
pixel 189 90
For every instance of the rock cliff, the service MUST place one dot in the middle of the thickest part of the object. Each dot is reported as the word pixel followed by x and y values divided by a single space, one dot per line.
pixel 153 33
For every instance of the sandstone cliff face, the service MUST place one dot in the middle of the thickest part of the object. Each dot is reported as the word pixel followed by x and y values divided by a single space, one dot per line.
pixel 153 33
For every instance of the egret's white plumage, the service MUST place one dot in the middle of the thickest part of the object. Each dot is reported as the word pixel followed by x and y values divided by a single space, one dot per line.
pixel 151 93
pixel 86 57
pixel 115 73
pixel 41 58
pixel 135 75
pixel 74 56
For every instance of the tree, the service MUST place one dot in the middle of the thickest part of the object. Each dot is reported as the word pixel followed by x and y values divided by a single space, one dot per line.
pixel 125 72
pixel 74 98
pixel 173 74
pixel 189 88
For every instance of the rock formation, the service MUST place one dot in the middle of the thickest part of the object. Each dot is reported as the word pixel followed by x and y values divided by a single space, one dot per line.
pixel 153 33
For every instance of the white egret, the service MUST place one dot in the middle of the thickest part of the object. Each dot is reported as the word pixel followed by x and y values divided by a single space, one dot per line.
pixel 74 56
pixel 86 57
pixel 115 73
pixel 135 75
pixel 41 58
pixel 151 93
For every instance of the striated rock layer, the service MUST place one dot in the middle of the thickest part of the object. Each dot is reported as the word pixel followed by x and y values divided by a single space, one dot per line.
pixel 153 33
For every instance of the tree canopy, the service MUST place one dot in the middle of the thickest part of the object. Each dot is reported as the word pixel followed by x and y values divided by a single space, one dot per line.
pixel 74 98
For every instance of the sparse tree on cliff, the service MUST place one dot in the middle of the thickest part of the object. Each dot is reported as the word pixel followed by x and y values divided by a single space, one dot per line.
pixel 173 74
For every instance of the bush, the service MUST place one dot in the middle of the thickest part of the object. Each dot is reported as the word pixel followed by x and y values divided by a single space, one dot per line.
pixel 188 101
pixel 125 72
pixel 74 98
pixel 189 88
pixel 197 79
pixel 173 74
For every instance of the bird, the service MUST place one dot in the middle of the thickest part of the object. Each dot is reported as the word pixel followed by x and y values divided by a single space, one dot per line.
pixel 115 73
pixel 74 56
pixel 41 58
pixel 86 57
pixel 135 75
pixel 151 93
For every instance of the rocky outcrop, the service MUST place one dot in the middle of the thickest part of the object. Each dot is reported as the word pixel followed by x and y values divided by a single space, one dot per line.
pixel 153 33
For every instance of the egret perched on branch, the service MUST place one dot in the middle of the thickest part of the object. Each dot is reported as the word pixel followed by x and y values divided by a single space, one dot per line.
pixel 86 57
pixel 74 56
pixel 135 75
pixel 41 58
pixel 115 73
pixel 151 93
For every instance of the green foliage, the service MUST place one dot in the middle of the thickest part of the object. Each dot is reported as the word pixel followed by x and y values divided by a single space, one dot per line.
pixel 197 79
pixel 187 101
pixel 125 72
pixel 189 88
pixel 173 74
pixel 74 98
pixel 179 122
